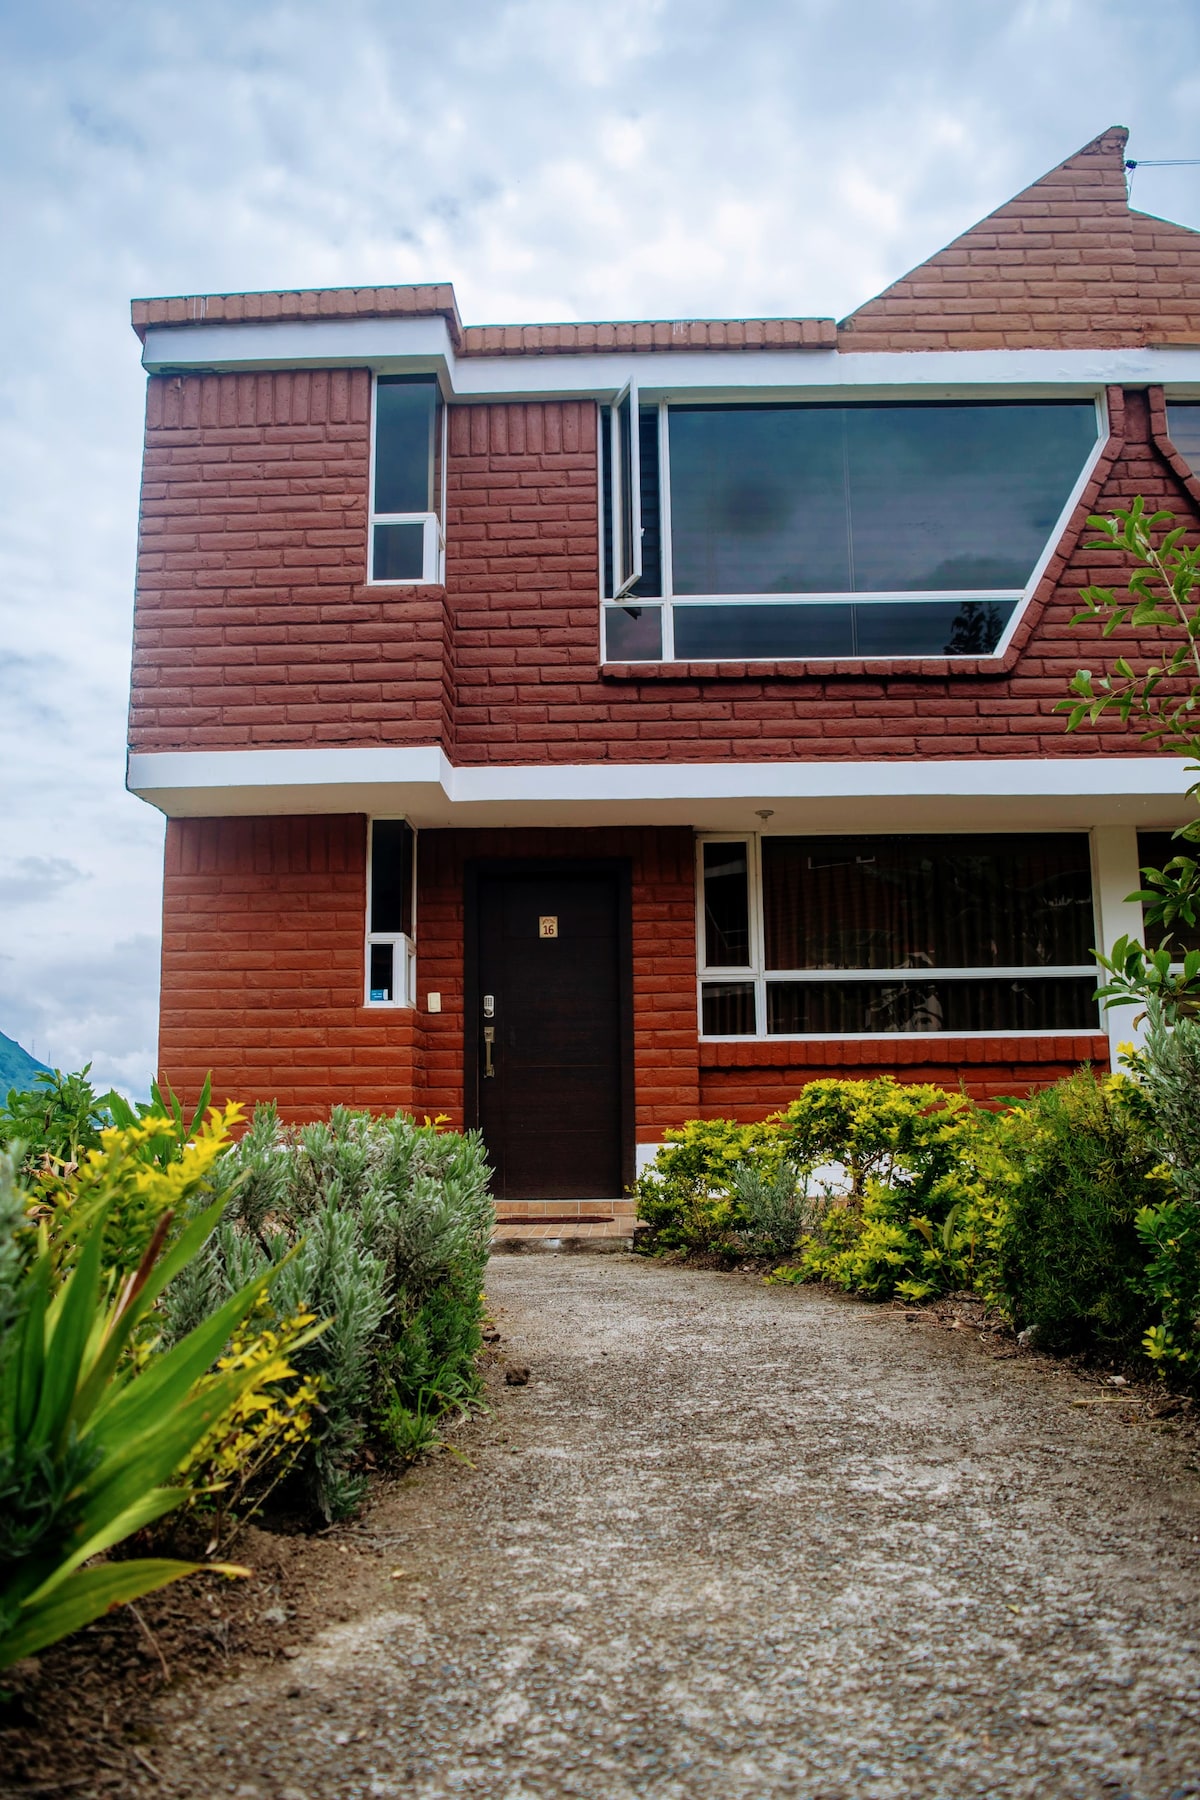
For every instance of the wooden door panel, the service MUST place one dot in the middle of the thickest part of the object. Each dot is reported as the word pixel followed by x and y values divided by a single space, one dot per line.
pixel 551 1114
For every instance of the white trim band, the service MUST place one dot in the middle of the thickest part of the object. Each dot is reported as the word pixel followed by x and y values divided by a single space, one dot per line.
pixel 423 345
pixel 421 783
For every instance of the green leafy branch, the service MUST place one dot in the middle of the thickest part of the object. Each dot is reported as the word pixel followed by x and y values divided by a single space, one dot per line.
pixel 1162 596
pixel 1162 696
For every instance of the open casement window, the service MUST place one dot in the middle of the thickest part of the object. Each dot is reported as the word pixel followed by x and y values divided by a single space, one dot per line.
pixel 407 480
pixel 879 936
pixel 815 530
pixel 391 913
pixel 625 454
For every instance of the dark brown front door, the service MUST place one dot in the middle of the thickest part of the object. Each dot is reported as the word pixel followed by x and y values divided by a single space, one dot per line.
pixel 550 984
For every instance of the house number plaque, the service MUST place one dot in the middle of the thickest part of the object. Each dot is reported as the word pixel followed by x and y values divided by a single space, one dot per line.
pixel 548 925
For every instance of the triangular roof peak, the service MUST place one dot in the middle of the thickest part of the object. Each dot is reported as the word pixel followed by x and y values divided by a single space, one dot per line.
pixel 1064 264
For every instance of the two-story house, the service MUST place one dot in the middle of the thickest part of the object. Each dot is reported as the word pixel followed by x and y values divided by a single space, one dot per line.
pixel 574 729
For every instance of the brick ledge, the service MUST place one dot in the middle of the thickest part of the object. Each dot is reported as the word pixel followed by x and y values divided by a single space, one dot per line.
pixel 787 1053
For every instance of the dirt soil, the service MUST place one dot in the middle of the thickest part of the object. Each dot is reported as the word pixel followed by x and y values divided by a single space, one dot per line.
pixel 729 1541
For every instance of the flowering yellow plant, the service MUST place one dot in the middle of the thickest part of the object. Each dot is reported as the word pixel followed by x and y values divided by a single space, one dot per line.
pixel 272 1417
pixel 133 1189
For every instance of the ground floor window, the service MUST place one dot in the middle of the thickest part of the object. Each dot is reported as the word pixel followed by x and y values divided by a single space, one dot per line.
pixel 866 936
pixel 391 913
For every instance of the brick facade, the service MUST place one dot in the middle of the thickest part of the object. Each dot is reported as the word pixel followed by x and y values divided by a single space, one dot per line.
pixel 255 629
pixel 263 982
pixel 263 923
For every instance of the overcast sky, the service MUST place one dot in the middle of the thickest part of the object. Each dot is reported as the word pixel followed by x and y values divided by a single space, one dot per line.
pixel 555 159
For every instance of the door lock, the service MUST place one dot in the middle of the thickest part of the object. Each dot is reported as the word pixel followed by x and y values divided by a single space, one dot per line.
pixel 489 1006
pixel 489 1038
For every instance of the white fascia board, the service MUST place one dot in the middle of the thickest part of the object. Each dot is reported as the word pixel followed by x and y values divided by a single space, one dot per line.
pixel 298 344
pixel 1066 792
pixel 388 345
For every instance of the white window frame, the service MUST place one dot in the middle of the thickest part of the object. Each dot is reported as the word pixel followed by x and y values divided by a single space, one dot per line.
pixel 1017 598
pixel 404 946
pixel 433 542
pixel 756 970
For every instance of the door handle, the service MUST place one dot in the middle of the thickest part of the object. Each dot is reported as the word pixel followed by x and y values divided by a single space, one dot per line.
pixel 489 1038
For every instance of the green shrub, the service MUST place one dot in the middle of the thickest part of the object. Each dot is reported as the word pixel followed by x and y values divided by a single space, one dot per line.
pixel 95 1421
pixel 774 1205
pixel 909 1208
pixel 686 1195
pixel 383 1227
pixel 1165 1095
pixel 1082 1166
pixel 58 1119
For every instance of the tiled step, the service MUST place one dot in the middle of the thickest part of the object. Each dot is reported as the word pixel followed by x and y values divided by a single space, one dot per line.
pixel 556 1210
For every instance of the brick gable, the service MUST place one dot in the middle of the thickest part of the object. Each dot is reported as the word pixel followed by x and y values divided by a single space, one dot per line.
pixel 1065 264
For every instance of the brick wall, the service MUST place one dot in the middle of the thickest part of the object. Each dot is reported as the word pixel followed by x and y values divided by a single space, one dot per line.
pixel 1066 264
pixel 262 972
pixel 529 686
pixel 253 624
pixel 262 968
pixel 747 1081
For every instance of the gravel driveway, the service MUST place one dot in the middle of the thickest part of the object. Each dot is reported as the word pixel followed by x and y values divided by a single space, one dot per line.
pixel 734 1540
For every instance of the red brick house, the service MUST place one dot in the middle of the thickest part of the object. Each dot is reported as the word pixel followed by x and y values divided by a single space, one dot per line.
pixel 576 728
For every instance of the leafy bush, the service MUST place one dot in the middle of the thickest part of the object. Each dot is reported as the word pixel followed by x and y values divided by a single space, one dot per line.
pixel 686 1195
pixel 95 1423
pixel 1081 1168
pixel 774 1204
pixel 907 1185
pixel 57 1119
pixel 381 1226
pixel 1165 1093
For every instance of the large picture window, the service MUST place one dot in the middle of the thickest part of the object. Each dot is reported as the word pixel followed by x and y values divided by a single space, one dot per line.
pixel 794 530
pixel 868 936
pixel 407 465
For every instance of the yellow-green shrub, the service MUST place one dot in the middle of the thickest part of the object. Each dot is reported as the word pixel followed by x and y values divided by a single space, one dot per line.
pixel 96 1423
pixel 686 1194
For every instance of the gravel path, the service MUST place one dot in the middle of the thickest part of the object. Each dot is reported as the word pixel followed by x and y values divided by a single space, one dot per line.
pixel 738 1541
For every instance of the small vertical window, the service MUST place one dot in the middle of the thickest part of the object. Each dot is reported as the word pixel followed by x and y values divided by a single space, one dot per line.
pixel 726 906
pixel 406 530
pixel 391 880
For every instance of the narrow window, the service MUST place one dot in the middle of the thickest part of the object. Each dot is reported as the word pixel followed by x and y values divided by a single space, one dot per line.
pixel 406 534
pixel 726 906
pixel 391 879
pixel 632 632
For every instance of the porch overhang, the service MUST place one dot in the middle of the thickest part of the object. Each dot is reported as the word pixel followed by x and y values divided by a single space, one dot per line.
pixel 420 783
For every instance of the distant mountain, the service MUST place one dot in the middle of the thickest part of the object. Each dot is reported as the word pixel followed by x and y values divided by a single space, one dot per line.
pixel 17 1067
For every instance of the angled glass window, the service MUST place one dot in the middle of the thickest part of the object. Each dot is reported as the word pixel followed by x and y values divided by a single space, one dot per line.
pixel 406 533
pixel 780 530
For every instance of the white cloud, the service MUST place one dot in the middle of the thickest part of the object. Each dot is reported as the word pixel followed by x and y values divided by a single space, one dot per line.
pixel 554 158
